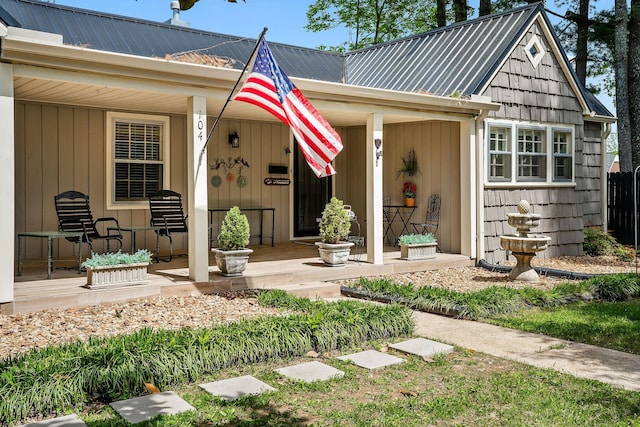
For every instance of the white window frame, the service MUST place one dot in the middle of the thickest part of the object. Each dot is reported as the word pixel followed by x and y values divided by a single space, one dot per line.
pixel 112 118
pixel 555 155
pixel 549 130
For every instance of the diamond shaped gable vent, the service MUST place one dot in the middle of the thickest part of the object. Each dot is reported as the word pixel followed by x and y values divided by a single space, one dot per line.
pixel 534 51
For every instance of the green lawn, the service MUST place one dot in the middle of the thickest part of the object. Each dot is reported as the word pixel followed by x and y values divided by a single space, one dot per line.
pixel 459 389
pixel 614 325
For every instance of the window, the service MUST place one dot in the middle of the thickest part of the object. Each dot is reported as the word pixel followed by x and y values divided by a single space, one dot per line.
pixel 537 150
pixel 562 158
pixel 534 51
pixel 531 154
pixel 500 153
pixel 137 164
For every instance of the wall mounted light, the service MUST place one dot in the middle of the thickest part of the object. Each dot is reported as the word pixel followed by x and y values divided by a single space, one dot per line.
pixel 287 150
pixel 234 139
pixel 378 144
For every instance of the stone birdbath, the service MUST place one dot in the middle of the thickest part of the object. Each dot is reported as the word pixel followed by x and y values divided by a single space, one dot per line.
pixel 524 245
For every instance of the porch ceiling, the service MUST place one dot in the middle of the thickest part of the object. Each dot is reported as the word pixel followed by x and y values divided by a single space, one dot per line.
pixel 31 89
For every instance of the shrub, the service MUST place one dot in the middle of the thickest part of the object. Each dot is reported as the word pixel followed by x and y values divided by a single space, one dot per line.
pixel 416 239
pixel 234 231
pixel 335 223
pixel 598 243
pixel 118 258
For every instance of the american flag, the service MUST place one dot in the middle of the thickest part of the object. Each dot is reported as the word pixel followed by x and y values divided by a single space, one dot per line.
pixel 269 88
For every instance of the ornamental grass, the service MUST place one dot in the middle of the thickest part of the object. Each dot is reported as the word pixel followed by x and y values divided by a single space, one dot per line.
pixel 57 379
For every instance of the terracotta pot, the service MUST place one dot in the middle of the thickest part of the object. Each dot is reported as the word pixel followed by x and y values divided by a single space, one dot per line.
pixel 408 201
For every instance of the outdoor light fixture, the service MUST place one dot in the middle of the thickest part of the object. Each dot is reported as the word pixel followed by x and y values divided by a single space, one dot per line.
pixel 378 144
pixel 234 139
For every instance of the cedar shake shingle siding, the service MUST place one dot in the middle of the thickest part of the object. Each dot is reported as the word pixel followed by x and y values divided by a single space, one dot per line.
pixel 543 94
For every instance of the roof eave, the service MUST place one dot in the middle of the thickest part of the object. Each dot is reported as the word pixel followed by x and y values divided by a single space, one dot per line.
pixel 47 50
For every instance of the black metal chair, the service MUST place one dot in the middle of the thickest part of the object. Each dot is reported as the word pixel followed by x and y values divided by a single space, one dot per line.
pixel 432 219
pixel 354 234
pixel 168 215
pixel 74 214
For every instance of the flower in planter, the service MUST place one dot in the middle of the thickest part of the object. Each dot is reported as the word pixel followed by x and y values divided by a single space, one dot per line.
pixel 409 190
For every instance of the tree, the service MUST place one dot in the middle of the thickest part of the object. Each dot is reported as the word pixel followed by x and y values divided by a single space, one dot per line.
pixel 371 21
pixel 633 88
pixel 460 10
pixel 485 7
pixel 622 82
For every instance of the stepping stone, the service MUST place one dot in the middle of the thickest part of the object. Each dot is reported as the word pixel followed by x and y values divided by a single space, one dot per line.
pixel 66 421
pixel 372 359
pixel 235 388
pixel 143 408
pixel 311 371
pixel 422 347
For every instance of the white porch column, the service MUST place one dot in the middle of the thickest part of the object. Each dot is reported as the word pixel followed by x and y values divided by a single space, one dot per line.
pixel 375 230
pixel 7 177
pixel 468 200
pixel 197 187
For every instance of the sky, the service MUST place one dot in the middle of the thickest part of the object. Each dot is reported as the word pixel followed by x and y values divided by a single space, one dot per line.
pixel 285 19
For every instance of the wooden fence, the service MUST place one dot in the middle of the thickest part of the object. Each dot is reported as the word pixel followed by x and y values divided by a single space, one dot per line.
pixel 620 206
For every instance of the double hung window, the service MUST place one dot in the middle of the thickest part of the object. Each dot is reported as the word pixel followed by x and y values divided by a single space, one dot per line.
pixel 538 149
pixel 138 158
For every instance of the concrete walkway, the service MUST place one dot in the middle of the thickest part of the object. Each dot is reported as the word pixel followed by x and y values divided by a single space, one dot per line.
pixel 581 360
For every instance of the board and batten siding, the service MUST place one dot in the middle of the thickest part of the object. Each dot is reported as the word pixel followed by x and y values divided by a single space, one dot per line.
pixel 60 148
pixel 541 94
pixel 437 148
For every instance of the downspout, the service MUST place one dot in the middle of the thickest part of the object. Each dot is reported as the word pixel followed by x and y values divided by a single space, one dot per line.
pixel 604 198
pixel 480 168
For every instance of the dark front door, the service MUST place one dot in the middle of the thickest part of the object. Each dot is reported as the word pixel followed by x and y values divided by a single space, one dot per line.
pixel 310 195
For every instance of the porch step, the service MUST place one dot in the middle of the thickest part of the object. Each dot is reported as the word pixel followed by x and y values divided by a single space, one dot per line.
pixel 311 290
pixel 81 298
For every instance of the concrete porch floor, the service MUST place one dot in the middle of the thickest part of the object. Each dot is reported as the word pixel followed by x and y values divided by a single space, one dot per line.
pixel 293 267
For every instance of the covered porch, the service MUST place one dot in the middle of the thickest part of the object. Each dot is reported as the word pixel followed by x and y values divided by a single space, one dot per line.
pixel 62 102
pixel 293 267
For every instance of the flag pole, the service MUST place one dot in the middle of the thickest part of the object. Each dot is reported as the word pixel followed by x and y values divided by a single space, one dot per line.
pixel 215 124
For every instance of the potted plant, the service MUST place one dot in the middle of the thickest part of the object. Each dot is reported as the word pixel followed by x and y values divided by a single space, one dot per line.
pixel 409 165
pixel 334 229
pixel 418 246
pixel 232 254
pixel 409 191
pixel 117 269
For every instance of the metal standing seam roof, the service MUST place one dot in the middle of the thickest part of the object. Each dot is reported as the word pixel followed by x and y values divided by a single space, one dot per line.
pixel 455 58
pixel 114 33
pixel 460 57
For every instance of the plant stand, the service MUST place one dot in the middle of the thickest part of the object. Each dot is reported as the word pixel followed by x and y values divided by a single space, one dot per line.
pixel 111 276
pixel 418 251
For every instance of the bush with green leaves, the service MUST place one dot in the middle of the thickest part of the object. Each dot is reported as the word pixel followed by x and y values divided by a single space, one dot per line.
pixel 416 239
pixel 142 256
pixel 335 223
pixel 598 243
pixel 234 231
pixel 61 378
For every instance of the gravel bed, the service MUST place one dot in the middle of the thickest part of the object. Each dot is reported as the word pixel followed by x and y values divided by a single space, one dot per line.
pixel 21 332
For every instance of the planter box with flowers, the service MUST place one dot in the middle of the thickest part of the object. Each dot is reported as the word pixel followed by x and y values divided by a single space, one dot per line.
pixel 117 269
pixel 418 246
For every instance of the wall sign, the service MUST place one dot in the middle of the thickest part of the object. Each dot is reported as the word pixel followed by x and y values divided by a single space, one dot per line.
pixel 277 181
